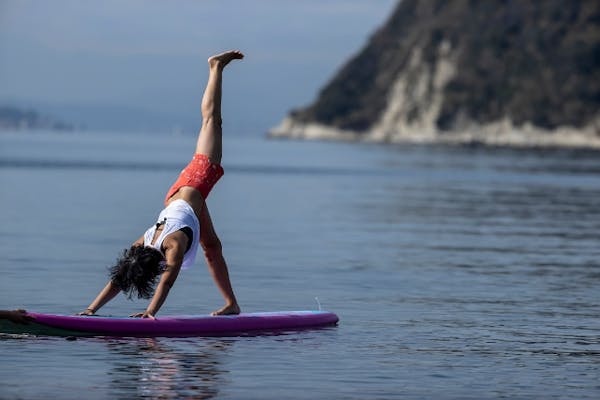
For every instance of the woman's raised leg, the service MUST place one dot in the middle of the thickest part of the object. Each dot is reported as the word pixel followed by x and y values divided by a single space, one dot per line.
pixel 210 137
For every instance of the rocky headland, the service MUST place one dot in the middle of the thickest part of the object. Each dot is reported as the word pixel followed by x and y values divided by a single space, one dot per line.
pixel 514 73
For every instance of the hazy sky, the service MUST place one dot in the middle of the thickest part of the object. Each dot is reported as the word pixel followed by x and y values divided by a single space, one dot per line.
pixel 150 55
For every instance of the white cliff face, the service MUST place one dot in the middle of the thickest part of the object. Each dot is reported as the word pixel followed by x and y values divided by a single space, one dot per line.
pixel 417 91
pixel 415 100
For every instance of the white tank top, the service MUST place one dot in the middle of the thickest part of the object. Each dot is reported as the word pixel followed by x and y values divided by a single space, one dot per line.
pixel 175 216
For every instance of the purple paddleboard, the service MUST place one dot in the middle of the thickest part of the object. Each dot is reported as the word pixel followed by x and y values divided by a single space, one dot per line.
pixel 179 325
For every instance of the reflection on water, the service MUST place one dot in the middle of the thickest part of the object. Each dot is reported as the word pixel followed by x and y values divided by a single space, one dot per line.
pixel 166 368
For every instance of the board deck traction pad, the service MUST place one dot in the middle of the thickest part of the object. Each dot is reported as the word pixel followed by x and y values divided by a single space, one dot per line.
pixel 175 325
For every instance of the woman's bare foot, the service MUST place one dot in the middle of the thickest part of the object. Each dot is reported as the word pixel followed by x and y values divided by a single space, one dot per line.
pixel 230 309
pixel 221 60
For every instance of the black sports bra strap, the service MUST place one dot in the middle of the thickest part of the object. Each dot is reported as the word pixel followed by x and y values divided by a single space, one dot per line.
pixel 190 235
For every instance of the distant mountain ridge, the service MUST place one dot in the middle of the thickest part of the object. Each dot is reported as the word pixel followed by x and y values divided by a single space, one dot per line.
pixel 13 118
pixel 35 115
pixel 497 72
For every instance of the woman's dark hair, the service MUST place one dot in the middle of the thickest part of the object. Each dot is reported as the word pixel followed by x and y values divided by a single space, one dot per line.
pixel 136 271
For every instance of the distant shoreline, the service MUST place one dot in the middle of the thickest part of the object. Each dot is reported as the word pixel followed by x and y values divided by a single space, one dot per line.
pixel 18 119
pixel 503 134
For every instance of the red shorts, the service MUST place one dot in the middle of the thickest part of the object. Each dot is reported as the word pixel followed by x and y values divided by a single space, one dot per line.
pixel 200 174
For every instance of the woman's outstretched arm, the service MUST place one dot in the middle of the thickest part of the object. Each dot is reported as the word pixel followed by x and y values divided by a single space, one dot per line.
pixel 106 295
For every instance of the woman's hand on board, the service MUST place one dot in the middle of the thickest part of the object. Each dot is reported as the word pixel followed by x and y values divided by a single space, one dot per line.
pixel 144 314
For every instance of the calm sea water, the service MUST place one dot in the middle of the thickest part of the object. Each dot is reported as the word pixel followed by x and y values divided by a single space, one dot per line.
pixel 457 272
